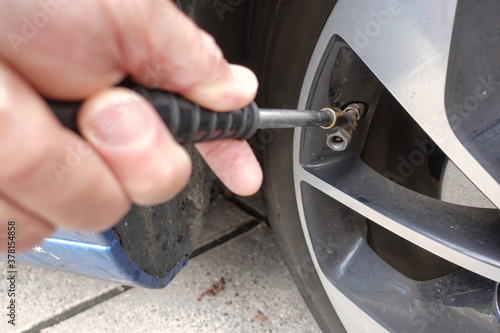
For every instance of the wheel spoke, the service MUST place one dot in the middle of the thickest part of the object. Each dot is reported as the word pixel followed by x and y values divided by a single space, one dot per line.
pixel 351 266
pixel 463 235
pixel 407 47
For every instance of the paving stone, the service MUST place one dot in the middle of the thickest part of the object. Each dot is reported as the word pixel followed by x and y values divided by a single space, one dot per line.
pixel 251 265
pixel 259 295
pixel 224 218
pixel 42 294
pixel 254 202
pixel 45 294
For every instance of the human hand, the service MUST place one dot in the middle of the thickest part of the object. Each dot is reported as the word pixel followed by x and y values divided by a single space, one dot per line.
pixel 78 50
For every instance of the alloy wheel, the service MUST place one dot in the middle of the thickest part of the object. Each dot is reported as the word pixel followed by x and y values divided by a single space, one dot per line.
pixel 390 252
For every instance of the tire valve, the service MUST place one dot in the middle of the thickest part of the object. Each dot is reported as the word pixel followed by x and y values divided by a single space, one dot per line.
pixel 340 135
pixel 190 123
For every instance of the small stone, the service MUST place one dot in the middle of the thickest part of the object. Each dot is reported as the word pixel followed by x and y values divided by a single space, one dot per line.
pixel 261 317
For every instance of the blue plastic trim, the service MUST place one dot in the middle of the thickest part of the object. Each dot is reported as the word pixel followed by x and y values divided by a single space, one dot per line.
pixel 97 255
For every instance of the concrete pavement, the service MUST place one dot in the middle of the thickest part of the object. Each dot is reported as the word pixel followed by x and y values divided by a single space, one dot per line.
pixel 241 285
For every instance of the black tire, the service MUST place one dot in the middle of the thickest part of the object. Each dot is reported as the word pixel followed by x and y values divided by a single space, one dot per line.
pixel 284 34
pixel 384 257
pixel 280 199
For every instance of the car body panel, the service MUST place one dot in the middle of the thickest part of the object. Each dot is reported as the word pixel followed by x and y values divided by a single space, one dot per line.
pixel 97 255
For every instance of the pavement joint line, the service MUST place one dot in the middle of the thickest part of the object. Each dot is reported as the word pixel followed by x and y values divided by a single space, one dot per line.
pixel 238 202
pixel 73 311
pixel 225 238
pixel 248 209
pixel 121 289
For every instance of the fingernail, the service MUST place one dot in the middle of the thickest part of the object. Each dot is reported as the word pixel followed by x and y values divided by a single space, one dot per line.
pixel 119 124
pixel 245 79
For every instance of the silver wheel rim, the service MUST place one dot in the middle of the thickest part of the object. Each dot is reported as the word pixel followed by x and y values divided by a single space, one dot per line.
pixel 390 55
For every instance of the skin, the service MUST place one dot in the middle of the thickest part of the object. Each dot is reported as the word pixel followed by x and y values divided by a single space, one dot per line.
pixel 51 177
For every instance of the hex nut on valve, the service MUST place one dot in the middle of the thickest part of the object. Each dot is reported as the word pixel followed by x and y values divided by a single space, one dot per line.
pixel 357 108
pixel 341 134
pixel 338 140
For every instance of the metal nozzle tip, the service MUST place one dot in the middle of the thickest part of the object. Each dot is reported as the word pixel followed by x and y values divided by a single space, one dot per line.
pixel 334 114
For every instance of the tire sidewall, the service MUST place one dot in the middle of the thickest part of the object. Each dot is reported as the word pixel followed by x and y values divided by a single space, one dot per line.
pixel 281 57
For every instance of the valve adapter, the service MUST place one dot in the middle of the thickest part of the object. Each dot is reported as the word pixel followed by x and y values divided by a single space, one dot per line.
pixel 340 136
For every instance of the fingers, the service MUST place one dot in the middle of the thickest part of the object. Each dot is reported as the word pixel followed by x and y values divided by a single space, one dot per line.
pixel 130 136
pixel 48 170
pixel 188 61
pixel 234 163
pixel 27 230
pixel 151 40
pixel 65 49
pixel 152 168
pixel 172 53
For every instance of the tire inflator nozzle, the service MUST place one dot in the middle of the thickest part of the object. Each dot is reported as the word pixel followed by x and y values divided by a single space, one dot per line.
pixel 190 123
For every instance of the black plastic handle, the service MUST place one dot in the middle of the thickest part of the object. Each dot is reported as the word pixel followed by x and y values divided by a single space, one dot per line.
pixel 188 122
